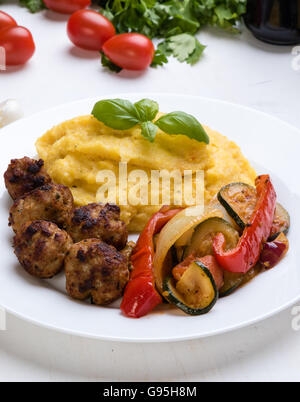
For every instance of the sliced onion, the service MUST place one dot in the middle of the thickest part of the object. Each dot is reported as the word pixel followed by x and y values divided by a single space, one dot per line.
pixel 213 206
pixel 274 251
pixel 185 238
pixel 171 232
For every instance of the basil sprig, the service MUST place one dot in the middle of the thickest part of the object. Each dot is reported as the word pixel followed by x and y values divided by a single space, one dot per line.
pixel 121 114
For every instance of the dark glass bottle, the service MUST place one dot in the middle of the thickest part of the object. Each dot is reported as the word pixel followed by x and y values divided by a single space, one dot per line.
pixel 274 21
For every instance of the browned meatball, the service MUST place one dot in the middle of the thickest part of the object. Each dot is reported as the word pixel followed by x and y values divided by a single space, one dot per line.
pixel 52 202
pixel 41 248
pixel 101 222
pixel 127 252
pixel 95 269
pixel 24 175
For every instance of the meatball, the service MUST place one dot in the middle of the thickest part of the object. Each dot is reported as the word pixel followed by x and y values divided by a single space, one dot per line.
pixel 24 175
pixel 41 248
pixel 127 252
pixel 95 269
pixel 101 222
pixel 52 202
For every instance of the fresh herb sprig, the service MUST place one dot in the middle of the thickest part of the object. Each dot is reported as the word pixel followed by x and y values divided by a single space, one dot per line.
pixel 176 22
pixel 121 114
pixel 33 5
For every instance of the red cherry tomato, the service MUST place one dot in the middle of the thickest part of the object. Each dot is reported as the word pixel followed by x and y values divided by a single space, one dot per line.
pixel 89 29
pixel 66 6
pixel 6 21
pixel 130 51
pixel 18 44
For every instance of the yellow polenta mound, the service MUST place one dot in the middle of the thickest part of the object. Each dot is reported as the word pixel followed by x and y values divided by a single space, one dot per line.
pixel 76 150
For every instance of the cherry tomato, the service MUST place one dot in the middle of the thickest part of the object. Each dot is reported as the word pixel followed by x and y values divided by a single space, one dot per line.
pixel 6 21
pixel 89 29
pixel 66 6
pixel 130 51
pixel 18 44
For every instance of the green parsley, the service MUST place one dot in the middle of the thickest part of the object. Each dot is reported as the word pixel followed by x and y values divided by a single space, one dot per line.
pixel 185 47
pixel 174 21
pixel 33 5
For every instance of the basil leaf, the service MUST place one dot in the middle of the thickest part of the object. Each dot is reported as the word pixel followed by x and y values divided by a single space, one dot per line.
pixel 147 109
pixel 119 114
pixel 182 123
pixel 149 130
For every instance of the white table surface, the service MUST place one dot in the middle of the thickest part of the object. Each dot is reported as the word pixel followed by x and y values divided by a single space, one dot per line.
pixel 235 68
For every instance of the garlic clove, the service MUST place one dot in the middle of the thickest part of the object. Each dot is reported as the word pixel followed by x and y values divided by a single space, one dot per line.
pixel 10 110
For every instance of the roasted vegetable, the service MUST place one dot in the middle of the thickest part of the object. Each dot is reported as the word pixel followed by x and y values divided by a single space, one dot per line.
pixel 195 293
pixel 140 295
pixel 205 232
pixel 171 232
pixel 239 200
pixel 209 261
pixel 216 205
pixel 246 254
pixel 233 281
pixel 274 251
pixel 281 222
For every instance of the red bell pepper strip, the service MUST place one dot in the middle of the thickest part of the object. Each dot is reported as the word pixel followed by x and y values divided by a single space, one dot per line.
pixel 140 296
pixel 246 254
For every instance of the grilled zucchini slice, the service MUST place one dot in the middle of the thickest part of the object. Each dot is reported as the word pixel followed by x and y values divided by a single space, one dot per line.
pixel 281 222
pixel 195 293
pixel 205 232
pixel 239 200
pixel 232 280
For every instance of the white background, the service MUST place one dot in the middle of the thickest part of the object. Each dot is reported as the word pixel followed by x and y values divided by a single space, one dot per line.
pixel 235 68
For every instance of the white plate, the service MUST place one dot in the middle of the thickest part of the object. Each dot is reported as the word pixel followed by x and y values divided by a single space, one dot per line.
pixel 271 145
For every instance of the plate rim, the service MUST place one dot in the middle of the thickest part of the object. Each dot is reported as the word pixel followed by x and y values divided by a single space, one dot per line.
pixel 224 330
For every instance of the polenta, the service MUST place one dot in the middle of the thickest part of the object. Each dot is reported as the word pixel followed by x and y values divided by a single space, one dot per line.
pixel 76 150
